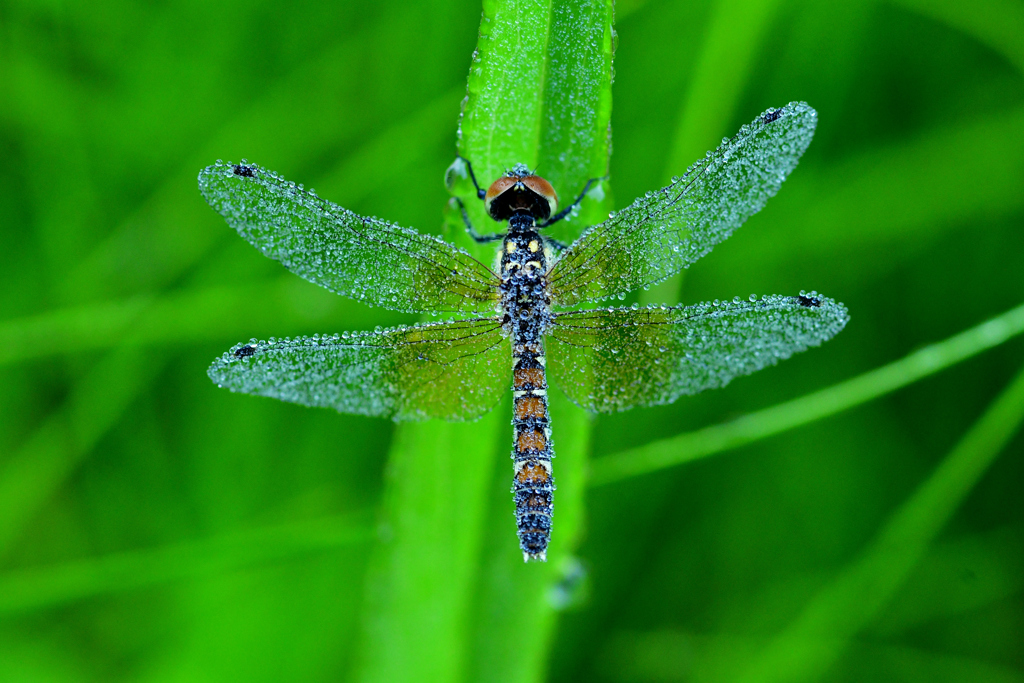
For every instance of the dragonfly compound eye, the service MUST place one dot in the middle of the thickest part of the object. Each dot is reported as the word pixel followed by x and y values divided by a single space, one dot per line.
pixel 520 190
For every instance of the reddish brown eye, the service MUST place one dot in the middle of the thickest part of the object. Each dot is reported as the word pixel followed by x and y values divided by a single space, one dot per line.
pixel 544 189
pixel 520 192
pixel 498 187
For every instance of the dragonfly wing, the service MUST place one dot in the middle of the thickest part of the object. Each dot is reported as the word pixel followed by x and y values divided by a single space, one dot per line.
pixel 608 360
pixel 665 231
pixel 367 259
pixel 453 371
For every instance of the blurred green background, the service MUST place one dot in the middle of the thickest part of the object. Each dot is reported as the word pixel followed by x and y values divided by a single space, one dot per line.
pixel 155 528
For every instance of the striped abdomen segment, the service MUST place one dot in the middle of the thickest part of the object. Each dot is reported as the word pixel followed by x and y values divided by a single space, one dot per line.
pixel 533 484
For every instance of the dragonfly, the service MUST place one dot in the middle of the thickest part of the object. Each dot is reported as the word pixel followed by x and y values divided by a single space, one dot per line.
pixel 520 320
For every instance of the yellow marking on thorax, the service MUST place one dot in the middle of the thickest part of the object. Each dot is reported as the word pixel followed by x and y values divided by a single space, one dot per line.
pixel 510 247
pixel 534 246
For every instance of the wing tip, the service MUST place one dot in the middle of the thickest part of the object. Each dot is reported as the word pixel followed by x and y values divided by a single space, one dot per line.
pixel 799 118
pixel 789 110
pixel 834 314
pixel 221 169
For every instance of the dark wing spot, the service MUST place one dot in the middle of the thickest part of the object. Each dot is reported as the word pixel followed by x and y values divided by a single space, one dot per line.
pixel 244 351
pixel 244 171
pixel 809 301
pixel 771 115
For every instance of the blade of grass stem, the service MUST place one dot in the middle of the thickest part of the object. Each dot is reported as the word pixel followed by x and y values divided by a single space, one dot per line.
pixel 937 591
pixel 681 656
pixel 996 23
pixel 515 616
pixel 734 34
pixel 539 92
pixel 811 407
pixel 856 596
pixel 733 37
pixel 35 588
pixel 51 453
pixel 92 326
pixel 423 568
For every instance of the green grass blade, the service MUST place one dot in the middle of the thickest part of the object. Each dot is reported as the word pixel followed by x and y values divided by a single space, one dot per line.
pixel 423 567
pixel 994 556
pixel 671 656
pixel 74 328
pixel 806 409
pixel 515 615
pixel 27 590
pixel 195 315
pixel 31 474
pixel 575 136
pixel 997 23
pixel 539 92
pixel 807 648
pixel 733 38
pixel 735 33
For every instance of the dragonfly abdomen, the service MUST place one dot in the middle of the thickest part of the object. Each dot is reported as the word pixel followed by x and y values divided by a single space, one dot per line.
pixel 533 484
pixel 527 312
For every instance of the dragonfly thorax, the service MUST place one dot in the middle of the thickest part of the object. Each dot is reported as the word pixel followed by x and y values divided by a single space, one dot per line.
pixel 524 298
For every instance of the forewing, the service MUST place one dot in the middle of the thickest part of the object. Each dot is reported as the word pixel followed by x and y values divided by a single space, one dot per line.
pixel 667 230
pixel 452 371
pixel 608 360
pixel 364 258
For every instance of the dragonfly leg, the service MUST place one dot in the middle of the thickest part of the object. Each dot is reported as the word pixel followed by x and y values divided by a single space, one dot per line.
pixel 480 193
pixel 477 237
pixel 567 210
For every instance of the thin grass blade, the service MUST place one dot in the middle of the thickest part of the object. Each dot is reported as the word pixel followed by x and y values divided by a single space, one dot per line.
pixel 807 648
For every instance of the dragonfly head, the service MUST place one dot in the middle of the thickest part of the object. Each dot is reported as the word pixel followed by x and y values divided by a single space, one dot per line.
pixel 519 190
